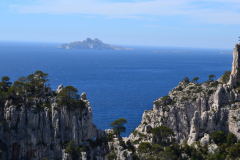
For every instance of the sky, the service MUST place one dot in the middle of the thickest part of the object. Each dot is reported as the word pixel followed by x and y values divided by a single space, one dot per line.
pixel 176 23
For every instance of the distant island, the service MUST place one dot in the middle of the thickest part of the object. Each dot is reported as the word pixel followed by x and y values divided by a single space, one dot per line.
pixel 91 44
pixel 174 51
pixel 225 52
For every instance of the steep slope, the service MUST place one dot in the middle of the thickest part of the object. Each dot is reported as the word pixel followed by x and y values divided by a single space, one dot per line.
pixel 35 124
pixel 193 109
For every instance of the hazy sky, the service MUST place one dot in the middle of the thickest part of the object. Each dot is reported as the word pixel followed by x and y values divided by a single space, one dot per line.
pixel 185 23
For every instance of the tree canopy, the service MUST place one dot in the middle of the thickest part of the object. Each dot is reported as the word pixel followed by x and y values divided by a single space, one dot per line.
pixel 69 96
pixel 218 137
pixel 195 79
pixel 117 125
pixel 162 134
pixel 211 76
pixel 144 147
pixel 185 79
pixel 5 84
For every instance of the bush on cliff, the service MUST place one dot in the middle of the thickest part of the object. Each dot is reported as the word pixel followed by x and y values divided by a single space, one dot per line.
pixel 195 79
pixel 226 76
pixel 118 127
pixel 111 156
pixel 69 96
pixel 218 137
pixel 72 151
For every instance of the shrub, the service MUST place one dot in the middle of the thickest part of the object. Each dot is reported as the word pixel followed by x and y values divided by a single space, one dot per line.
pixel 198 90
pixel 145 123
pixel 137 141
pixel 111 156
pixel 156 102
pixel 166 108
pixel 165 97
pixel 231 139
pixel 186 79
pixel 218 137
pixel 134 132
pixel 194 99
pixel 226 76
pixel 210 92
pixel 184 98
pixel 179 88
pixel 144 147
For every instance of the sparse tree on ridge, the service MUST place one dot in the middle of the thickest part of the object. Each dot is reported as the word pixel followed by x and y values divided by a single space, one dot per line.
pixel 195 79
pixel 185 79
pixel 5 84
pixel 118 127
pixel 211 76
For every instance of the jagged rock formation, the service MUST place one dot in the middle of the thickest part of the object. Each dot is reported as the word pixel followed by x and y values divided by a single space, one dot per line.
pixel 91 44
pixel 116 148
pixel 28 132
pixel 235 74
pixel 191 110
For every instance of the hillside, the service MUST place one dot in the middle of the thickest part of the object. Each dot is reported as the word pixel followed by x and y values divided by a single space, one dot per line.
pixel 197 114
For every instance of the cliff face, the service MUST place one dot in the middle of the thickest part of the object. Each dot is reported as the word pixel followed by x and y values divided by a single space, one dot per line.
pixel 193 109
pixel 30 133
pixel 235 74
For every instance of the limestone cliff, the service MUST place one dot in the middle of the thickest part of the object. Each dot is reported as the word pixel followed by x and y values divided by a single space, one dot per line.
pixel 193 109
pixel 28 132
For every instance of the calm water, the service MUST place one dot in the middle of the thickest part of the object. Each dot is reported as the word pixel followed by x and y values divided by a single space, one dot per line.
pixel 117 83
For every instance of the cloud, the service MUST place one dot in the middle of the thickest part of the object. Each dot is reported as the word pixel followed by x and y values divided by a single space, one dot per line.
pixel 207 11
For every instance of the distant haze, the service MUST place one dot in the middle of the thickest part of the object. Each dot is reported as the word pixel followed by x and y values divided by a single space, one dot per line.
pixel 184 23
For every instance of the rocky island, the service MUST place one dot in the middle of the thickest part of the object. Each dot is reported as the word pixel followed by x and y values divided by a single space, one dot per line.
pixel 194 121
pixel 91 44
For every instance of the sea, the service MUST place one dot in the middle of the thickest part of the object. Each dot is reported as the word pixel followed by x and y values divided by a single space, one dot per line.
pixel 118 84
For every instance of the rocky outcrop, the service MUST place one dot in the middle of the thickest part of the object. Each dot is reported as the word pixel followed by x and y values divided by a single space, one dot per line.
pixel 235 74
pixel 28 132
pixel 191 110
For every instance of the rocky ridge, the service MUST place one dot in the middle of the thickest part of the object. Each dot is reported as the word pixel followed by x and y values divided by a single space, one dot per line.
pixel 30 133
pixel 193 110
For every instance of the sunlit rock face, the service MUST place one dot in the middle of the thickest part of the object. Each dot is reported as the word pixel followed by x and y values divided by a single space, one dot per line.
pixel 193 110
pixel 30 133
pixel 235 74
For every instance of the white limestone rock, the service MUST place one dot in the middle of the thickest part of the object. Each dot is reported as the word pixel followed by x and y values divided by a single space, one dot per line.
pixel 205 140
pixel 60 87
pixel 83 96
pixel 212 148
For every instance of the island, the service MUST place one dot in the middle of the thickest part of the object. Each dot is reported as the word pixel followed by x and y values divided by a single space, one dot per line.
pixel 91 44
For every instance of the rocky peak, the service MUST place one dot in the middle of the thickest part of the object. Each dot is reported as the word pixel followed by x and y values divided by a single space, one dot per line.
pixel 97 40
pixel 83 96
pixel 60 87
pixel 235 74
pixel 89 40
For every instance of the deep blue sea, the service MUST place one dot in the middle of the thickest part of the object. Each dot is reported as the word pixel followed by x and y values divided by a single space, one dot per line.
pixel 118 84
